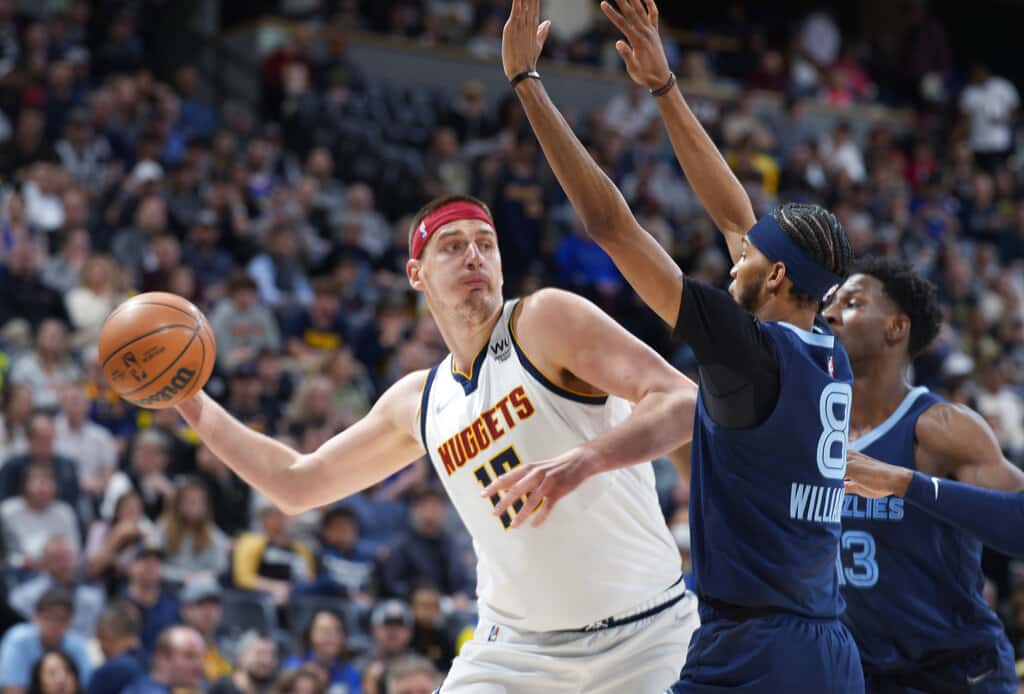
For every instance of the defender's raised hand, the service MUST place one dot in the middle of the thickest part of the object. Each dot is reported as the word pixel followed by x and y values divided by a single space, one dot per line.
pixel 523 38
pixel 644 54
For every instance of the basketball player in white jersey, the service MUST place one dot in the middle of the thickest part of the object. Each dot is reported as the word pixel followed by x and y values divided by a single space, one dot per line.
pixel 592 600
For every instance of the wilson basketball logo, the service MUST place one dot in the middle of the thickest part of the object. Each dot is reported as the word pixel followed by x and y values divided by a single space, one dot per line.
pixel 178 383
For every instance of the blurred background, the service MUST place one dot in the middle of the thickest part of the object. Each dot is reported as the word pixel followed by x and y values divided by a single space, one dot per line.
pixel 263 159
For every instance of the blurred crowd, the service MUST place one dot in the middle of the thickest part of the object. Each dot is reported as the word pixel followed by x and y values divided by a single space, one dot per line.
pixel 133 557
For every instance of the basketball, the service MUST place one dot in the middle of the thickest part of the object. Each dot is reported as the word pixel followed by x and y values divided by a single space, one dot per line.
pixel 156 349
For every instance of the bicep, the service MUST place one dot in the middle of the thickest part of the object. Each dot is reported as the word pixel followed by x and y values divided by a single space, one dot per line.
pixel 597 350
pixel 650 270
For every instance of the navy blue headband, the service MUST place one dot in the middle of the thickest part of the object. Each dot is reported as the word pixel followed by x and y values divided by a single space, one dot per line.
pixel 809 277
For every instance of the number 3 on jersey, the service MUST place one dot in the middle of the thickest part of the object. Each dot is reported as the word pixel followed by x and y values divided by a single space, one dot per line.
pixel 500 464
pixel 834 409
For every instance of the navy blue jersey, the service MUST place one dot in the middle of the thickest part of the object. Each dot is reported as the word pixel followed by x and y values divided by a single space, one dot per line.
pixel 766 501
pixel 912 584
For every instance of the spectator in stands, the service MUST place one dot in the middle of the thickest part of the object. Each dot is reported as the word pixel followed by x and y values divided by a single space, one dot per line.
pixel 392 632
pixel 131 246
pixel 63 270
pixel 31 519
pixel 242 325
pixel 319 328
pixel 159 609
pixel 110 546
pixel 49 367
pixel 202 252
pixel 412 675
pixel 201 609
pixel 228 494
pixel 429 636
pixel 91 446
pixel 177 663
pixel 59 567
pixel 989 105
pixel 93 299
pixel 268 561
pixel 194 547
pixel 55 673
pixel 343 569
pixel 118 632
pixel 14 421
pixel 146 476
pixel 303 681
pixel 352 392
pixel 324 642
pixel 23 645
pixel 247 401
pixel 279 274
pixel 426 552
pixel 257 667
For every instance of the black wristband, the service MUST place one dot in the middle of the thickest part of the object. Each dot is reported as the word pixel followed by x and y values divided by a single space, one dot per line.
pixel 529 74
pixel 667 87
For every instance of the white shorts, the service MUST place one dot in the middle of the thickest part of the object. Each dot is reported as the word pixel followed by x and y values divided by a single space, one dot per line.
pixel 640 657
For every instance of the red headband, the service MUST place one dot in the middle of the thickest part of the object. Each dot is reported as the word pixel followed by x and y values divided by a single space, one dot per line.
pixel 453 211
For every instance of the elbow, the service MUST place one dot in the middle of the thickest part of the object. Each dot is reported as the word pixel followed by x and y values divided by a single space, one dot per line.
pixel 291 494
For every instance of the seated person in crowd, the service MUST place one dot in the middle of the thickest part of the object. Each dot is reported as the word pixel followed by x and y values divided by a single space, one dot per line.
pixel 343 569
pixel 392 624
pixel 146 475
pixel 118 632
pixel 177 664
pixel 41 451
pixel 201 610
pixel 269 561
pixel 257 667
pixel 159 609
pixel 324 642
pixel 23 645
pixel 429 636
pixel 193 545
pixel 60 567
pixel 31 519
pixel 110 546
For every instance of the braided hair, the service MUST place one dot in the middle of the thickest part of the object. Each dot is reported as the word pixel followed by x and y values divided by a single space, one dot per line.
pixel 820 235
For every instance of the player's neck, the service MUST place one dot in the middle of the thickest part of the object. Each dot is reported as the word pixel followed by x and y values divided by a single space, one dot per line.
pixel 465 339
pixel 780 310
pixel 879 387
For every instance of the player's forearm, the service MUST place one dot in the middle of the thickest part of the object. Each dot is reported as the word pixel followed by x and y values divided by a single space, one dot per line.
pixel 593 195
pixel 661 422
pixel 717 187
pixel 995 518
pixel 261 461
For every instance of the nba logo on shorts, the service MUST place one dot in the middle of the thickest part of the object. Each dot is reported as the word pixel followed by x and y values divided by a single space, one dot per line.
pixel 493 634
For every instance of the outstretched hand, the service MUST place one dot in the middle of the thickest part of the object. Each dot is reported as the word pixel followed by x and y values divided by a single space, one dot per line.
pixel 642 50
pixel 874 479
pixel 540 485
pixel 523 38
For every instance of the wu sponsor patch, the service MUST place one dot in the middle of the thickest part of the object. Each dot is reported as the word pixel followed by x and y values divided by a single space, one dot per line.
pixel 501 349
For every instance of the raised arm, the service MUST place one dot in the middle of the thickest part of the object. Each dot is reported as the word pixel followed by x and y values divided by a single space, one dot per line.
pixel 378 445
pixel 607 218
pixel 567 335
pixel 718 189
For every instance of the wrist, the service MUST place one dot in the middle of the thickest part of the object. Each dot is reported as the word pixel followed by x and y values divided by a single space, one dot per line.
pixel 519 77
pixel 919 487
pixel 663 87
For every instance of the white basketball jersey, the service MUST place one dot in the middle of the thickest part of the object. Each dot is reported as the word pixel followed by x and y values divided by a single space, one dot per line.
pixel 603 550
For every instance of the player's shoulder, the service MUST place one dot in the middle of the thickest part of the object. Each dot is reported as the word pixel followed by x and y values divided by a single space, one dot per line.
pixel 552 309
pixel 948 424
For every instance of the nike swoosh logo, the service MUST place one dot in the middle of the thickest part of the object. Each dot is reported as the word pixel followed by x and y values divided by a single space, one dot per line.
pixel 935 481
pixel 443 405
pixel 980 678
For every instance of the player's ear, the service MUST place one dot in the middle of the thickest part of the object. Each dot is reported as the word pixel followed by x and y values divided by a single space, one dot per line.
pixel 897 329
pixel 775 277
pixel 413 270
